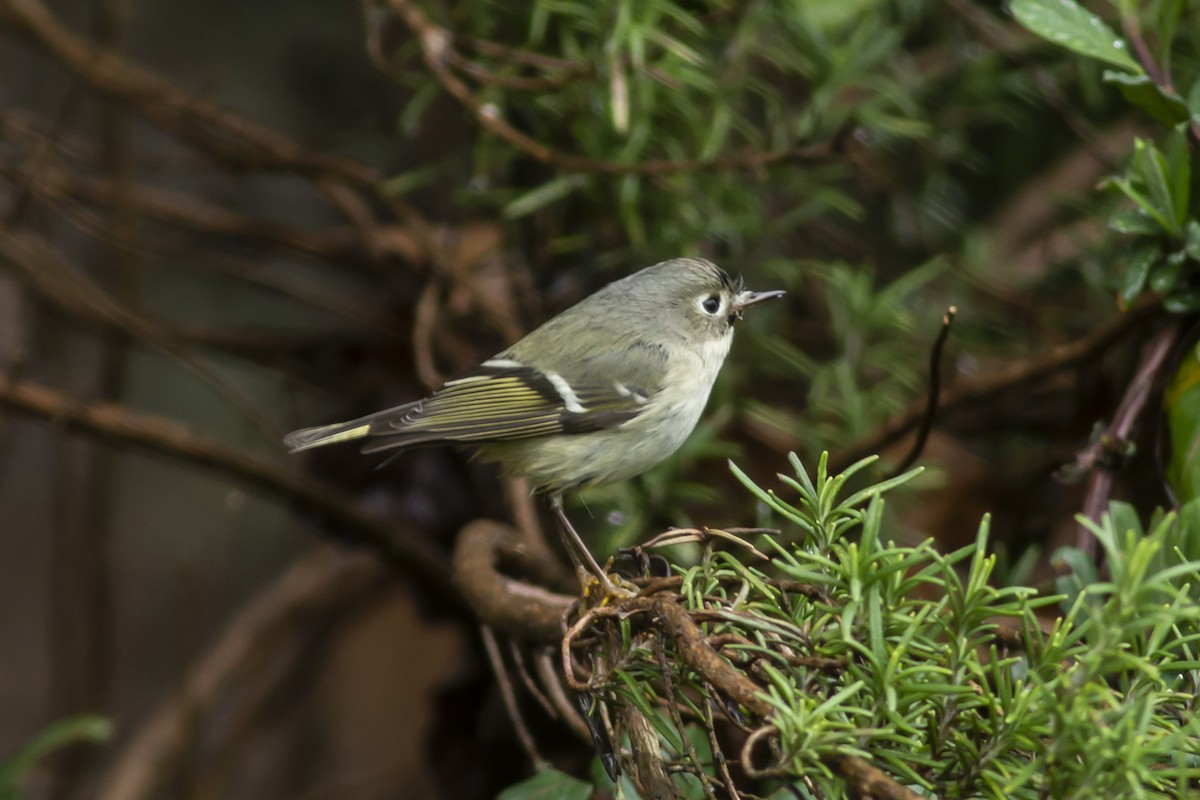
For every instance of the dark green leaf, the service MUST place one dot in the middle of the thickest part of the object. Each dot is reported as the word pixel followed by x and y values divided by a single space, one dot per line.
pixel 1191 242
pixel 1069 25
pixel 1164 276
pixel 1179 172
pixel 1182 404
pixel 1164 106
pixel 1080 573
pixel 1140 198
pixel 1133 279
pixel 1133 221
pixel 1150 166
pixel 1182 301
pixel 549 784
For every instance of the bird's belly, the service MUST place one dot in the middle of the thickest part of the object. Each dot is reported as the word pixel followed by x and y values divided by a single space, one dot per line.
pixel 628 449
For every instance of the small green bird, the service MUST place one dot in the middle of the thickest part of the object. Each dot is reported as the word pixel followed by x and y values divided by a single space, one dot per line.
pixel 600 393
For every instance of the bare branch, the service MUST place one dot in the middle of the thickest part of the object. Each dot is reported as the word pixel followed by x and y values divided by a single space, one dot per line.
pixel 209 128
pixel 40 267
pixel 402 547
pixel 437 50
pixel 985 388
pixel 314 586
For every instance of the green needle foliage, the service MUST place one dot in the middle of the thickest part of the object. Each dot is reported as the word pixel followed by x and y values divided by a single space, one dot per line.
pixel 913 661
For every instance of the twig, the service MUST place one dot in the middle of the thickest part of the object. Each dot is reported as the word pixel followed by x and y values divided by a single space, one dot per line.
pixel 648 766
pixel 517 655
pixel 404 549
pixel 1017 374
pixel 227 136
pixel 719 761
pixel 69 290
pixel 438 53
pixel 568 711
pixel 509 698
pixel 864 780
pixel 340 245
pixel 1129 411
pixel 1160 75
pixel 316 585
pixel 672 703
pixel 935 386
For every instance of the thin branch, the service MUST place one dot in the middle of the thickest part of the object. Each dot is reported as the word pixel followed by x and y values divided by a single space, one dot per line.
pixel 1096 458
pixel 67 289
pixel 935 387
pixel 437 51
pixel 983 389
pixel 1160 75
pixel 509 698
pixel 340 245
pixel 403 548
pixel 314 586
pixel 568 709
pixel 227 137
pixel 863 780
pixel 211 129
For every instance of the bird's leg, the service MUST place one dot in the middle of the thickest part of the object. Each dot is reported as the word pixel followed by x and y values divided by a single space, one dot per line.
pixel 581 557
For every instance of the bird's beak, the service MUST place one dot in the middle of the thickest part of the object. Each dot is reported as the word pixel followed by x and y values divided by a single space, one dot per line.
pixel 743 300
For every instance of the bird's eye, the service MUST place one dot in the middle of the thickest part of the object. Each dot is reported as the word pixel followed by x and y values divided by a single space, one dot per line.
pixel 711 304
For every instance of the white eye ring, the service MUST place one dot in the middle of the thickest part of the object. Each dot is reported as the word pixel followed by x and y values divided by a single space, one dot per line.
pixel 710 304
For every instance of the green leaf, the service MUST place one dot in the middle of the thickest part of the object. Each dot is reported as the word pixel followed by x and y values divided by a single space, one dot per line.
pixel 1182 301
pixel 1141 91
pixel 1133 221
pixel 1137 268
pixel 1179 172
pixel 1193 99
pixel 82 728
pixel 1165 275
pixel 1144 203
pixel 1079 573
pixel 1182 404
pixel 1191 243
pixel 1069 25
pixel 1151 168
pixel 405 182
pixel 542 196
pixel 549 784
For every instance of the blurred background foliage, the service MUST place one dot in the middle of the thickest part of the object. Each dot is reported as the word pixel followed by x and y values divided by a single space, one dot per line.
pixel 226 220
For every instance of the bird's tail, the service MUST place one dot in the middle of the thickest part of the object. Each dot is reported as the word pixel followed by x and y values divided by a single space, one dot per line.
pixel 361 428
pixel 307 438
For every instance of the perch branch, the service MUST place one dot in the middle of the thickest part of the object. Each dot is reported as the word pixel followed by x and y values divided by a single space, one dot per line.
pixel 504 604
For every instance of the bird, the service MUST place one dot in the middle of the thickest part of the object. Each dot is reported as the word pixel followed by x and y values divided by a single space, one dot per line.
pixel 600 393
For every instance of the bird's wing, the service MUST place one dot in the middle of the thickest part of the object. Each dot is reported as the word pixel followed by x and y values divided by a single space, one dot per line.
pixel 503 400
